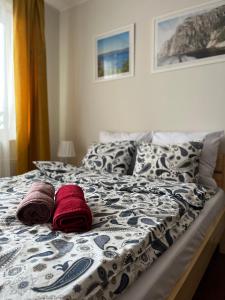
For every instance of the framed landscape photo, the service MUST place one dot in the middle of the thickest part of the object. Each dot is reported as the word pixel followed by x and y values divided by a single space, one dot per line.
pixel 191 37
pixel 114 54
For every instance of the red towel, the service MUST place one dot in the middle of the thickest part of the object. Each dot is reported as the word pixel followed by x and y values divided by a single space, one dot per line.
pixel 72 214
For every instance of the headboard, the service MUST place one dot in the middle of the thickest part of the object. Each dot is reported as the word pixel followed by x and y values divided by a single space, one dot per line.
pixel 219 173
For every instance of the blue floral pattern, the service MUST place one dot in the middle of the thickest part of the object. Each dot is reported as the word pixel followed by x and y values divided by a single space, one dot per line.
pixel 135 221
pixel 113 157
pixel 169 162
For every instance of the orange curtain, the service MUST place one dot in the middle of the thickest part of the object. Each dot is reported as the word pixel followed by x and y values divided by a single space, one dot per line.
pixel 30 83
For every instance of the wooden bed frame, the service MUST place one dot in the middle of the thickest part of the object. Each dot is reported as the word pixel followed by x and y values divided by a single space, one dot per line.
pixel 188 282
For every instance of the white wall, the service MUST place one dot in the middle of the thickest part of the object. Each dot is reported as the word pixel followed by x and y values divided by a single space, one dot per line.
pixel 188 99
pixel 52 52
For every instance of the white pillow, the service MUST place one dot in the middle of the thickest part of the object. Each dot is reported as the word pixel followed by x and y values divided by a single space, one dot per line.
pixel 109 136
pixel 208 157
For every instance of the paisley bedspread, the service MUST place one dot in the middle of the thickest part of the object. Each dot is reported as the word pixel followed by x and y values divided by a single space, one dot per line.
pixel 135 221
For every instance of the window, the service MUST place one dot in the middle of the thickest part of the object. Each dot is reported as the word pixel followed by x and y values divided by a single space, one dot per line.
pixel 2 77
pixel 7 101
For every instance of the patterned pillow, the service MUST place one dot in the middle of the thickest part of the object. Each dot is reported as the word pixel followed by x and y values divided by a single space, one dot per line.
pixel 171 162
pixel 110 157
pixel 53 166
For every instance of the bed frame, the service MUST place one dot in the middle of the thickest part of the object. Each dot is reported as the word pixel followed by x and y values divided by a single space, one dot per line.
pixel 189 281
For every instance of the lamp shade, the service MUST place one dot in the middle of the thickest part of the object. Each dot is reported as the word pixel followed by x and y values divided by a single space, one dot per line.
pixel 66 149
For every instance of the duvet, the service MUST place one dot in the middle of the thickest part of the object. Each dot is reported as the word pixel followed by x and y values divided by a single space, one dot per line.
pixel 134 221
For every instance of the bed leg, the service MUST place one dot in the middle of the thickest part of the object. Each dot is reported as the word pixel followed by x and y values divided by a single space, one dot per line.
pixel 222 244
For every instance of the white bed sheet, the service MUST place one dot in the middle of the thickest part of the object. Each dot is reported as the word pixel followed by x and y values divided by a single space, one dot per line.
pixel 157 282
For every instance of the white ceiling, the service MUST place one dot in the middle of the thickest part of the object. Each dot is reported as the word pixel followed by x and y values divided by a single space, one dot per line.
pixel 64 4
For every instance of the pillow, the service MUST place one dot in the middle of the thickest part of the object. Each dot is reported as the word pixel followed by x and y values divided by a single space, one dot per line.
pixel 208 157
pixel 51 166
pixel 109 137
pixel 170 162
pixel 110 157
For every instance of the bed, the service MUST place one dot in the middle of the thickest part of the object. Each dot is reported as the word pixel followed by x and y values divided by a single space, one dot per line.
pixel 136 222
pixel 177 273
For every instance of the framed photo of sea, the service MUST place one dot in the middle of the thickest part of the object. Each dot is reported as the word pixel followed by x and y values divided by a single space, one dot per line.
pixel 190 37
pixel 114 54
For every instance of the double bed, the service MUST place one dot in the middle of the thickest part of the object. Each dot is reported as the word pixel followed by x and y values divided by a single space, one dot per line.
pixel 150 239
pixel 177 273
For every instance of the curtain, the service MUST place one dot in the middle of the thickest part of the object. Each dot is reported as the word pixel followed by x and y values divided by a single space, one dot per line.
pixel 30 83
pixel 7 101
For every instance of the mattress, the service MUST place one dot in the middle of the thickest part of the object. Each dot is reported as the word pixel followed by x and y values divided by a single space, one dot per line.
pixel 135 221
pixel 158 281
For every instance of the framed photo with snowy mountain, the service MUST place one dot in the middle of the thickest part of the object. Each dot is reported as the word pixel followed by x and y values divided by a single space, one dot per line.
pixel 191 37
pixel 114 54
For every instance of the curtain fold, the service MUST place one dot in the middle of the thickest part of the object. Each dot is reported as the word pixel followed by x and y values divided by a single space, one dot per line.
pixel 30 83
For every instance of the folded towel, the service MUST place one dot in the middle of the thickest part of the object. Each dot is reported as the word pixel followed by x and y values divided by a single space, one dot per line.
pixel 38 205
pixel 72 214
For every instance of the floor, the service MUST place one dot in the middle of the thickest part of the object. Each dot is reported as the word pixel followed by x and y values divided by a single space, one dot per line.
pixel 212 285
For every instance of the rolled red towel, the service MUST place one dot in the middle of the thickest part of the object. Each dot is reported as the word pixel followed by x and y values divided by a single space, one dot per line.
pixel 38 205
pixel 72 214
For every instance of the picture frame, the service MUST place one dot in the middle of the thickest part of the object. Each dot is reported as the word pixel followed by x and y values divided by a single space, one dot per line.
pixel 114 54
pixel 191 37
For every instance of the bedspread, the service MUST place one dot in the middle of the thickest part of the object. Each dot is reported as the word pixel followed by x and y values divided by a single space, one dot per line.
pixel 134 221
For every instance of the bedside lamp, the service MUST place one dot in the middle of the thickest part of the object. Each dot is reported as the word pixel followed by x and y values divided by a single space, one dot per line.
pixel 66 150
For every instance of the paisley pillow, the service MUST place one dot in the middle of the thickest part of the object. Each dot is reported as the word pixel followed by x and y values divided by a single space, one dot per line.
pixel 169 162
pixel 110 157
pixel 53 166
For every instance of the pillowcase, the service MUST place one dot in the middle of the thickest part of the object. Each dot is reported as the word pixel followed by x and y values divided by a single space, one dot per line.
pixel 51 166
pixel 208 157
pixel 110 157
pixel 170 162
pixel 109 137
